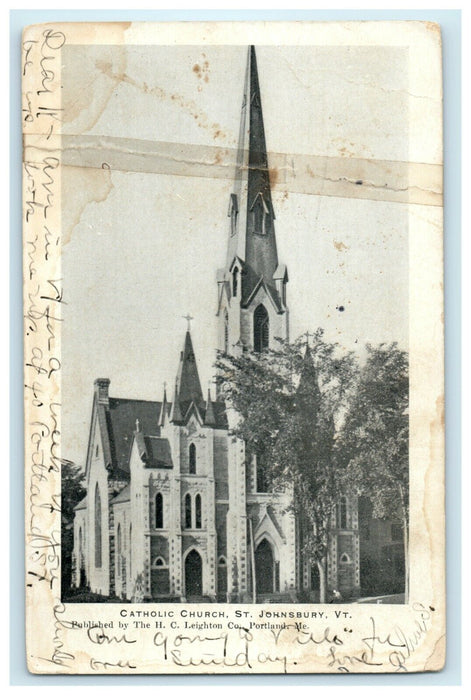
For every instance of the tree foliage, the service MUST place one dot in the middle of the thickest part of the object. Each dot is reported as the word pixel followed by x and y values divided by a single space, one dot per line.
pixel 373 447
pixel 288 399
pixel 72 492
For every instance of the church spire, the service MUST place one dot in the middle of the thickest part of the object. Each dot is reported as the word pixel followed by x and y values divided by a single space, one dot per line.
pixel 252 304
pixel 252 233
pixel 307 394
pixel 164 408
pixel 209 418
pixel 189 387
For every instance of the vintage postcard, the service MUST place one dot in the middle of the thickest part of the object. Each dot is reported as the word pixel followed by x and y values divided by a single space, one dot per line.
pixel 233 369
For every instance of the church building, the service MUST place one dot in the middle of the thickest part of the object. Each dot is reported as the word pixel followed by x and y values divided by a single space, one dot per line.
pixel 175 511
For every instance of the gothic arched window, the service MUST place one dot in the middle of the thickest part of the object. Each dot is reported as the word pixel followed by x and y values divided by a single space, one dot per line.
pixel 342 513
pixel 235 280
pixel 233 213
pixel 97 528
pixel 261 329
pixel 261 475
pixel 192 459
pixel 159 511
pixel 258 218
pixel 226 332
pixel 233 222
pixel 188 511
pixel 198 512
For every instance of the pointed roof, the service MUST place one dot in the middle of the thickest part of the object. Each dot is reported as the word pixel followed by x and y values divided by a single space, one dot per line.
pixel 307 393
pixel 164 409
pixel 175 413
pixel 209 417
pixel 189 387
pixel 115 419
pixel 187 384
pixel 158 453
pixel 81 504
pixel 124 496
pixel 252 236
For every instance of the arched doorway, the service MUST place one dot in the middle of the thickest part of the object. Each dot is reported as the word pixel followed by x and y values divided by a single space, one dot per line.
pixel 264 567
pixel 193 574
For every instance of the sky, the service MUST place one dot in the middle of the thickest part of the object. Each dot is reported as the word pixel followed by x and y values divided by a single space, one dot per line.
pixel 142 244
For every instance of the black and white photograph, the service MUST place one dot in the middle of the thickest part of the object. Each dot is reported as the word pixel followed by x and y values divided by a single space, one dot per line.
pixel 243 240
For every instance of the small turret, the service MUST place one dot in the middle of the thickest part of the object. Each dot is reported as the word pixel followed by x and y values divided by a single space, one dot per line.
pixel 209 417
pixel 175 413
pixel 163 409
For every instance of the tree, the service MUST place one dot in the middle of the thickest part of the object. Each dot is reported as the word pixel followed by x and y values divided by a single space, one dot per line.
pixel 373 445
pixel 287 401
pixel 72 492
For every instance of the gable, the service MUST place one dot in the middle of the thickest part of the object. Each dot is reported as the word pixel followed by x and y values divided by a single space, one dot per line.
pixel 112 427
pixel 223 297
pixel 260 294
pixel 121 420
pixel 98 448
pixel 266 528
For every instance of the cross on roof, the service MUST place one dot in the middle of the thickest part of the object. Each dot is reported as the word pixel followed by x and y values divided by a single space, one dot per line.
pixel 189 319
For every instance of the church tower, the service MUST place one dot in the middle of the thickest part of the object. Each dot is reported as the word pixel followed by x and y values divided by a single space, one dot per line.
pixel 252 307
pixel 252 313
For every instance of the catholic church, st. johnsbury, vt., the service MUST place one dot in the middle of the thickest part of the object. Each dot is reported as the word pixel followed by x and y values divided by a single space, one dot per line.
pixel 174 511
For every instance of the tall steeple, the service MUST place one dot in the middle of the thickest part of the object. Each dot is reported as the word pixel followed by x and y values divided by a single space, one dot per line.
pixel 252 232
pixel 252 306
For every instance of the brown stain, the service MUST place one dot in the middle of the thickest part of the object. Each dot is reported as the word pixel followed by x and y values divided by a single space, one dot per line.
pixel 202 72
pixel 436 660
pixel 81 187
pixel 340 246
pixel 274 175
pixel 189 106
pixel 218 157
pixel 310 171
pixel 345 152
pixel 433 27
pixel 86 96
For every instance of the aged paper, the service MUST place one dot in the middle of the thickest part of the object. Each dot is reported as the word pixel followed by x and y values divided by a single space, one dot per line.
pixel 235 187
